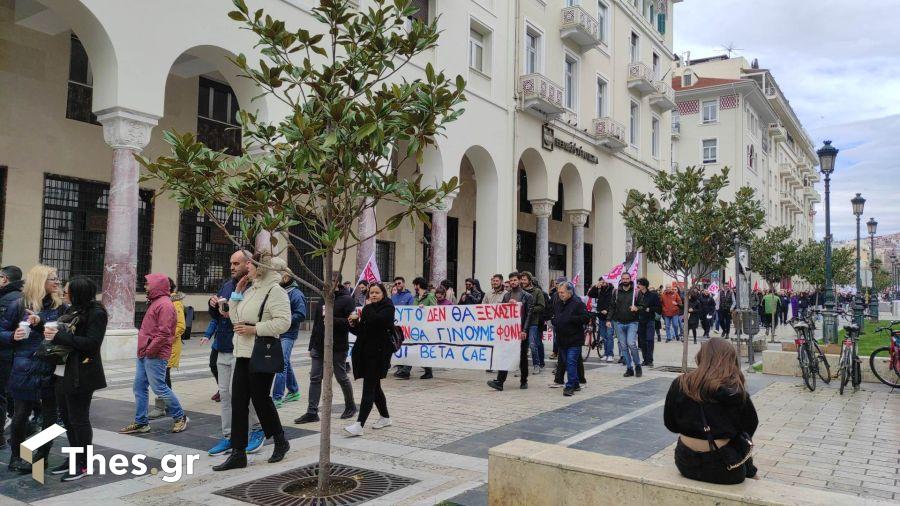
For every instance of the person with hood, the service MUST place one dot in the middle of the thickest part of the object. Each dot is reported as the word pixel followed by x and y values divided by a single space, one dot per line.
pixel 569 318
pixel 624 315
pixel 372 356
pixel 707 311
pixel 159 407
pixel 10 293
pixel 601 292
pixel 155 340
pixel 473 293
pixel 344 306
pixel 711 411
pixel 31 381
pixel 81 330
pixel 260 307
pixel 298 315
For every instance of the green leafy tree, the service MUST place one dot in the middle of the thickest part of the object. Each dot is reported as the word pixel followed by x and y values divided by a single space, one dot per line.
pixel 881 279
pixel 774 254
pixel 811 264
pixel 329 159
pixel 687 230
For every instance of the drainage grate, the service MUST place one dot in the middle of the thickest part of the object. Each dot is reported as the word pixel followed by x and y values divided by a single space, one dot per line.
pixel 672 368
pixel 271 489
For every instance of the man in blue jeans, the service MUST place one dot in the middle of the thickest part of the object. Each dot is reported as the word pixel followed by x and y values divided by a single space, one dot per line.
pixel 624 315
pixel 535 321
pixel 569 318
pixel 298 314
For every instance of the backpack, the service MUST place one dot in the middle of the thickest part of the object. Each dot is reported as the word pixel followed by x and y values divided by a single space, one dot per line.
pixel 396 336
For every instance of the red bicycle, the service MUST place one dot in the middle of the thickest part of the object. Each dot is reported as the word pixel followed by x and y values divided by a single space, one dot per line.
pixel 885 361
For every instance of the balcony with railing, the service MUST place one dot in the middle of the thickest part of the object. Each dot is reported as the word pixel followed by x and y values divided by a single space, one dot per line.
pixel 790 202
pixel 610 134
pixel 676 129
pixel 540 94
pixel 663 98
pixel 778 132
pixel 789 174
pixel 640 78
pixel 579 27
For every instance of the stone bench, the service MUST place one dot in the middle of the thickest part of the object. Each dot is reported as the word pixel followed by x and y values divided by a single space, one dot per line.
pixel 524 472
pixel 784 363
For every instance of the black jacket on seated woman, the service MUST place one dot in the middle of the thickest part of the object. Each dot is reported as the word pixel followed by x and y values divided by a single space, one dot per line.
pixel 711 411
pixel 372 351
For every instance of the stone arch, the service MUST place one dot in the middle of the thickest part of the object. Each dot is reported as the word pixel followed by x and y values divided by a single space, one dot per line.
pixel 535 169
pixel 573 189
pixel 602 218
pixel 488 233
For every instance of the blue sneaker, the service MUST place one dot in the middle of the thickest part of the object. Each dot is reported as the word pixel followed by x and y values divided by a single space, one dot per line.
pixel 221 448
pixel 255 441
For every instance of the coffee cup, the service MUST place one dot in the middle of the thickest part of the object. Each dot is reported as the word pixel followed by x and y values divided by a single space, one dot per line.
pixel 51 325
pixel 25 326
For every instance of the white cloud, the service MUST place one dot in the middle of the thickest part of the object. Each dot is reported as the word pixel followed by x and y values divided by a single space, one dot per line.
pixel 836 62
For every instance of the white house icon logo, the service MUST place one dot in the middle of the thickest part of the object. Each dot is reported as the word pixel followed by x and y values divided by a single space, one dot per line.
pixel 28 448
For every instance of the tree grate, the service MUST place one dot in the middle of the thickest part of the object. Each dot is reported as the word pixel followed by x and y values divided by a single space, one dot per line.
pixel 271 489
pixel 672 368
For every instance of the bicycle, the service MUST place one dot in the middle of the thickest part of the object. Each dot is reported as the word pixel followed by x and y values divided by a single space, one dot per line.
pixel 848 368
pixel 810 356
pixel 887 358
pixel 591 341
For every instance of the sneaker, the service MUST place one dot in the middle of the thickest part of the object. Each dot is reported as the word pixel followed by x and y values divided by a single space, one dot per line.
pixel 307 418
pixel 629 373
pixel 349 412
pixel 135 428
pixel 536 369
pixel 255 441
pixel 61 469
pixel 291 397
pixel 568 392
pixel 556 385
pixel 278 403
pixel 79 473
pixel 156 413
pixel 354 430
pixel 216 397
pixel 638 371
pixel 496 385
pixel 221 448
pixel 180 425
pixel 382 423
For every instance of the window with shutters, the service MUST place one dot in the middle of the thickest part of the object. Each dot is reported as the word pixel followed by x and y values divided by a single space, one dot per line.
pixel 79 99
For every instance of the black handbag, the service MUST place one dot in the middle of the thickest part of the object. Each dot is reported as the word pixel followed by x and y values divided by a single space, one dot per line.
pixel 266 356
pixel 741 445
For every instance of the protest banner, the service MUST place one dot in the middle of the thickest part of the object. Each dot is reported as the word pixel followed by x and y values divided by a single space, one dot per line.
pixel 483 336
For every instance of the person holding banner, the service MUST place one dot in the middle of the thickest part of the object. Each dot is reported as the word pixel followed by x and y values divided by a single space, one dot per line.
pixel 625 318
pixel 371 356
pixel 424 297
pixel 517 294
pixel 569 318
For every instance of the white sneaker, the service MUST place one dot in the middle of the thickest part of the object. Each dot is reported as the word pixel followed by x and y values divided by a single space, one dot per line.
pixel 382 423
pixel 355 430
pixel 556 385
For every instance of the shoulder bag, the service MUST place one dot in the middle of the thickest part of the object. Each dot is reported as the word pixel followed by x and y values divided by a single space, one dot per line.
pixel 741 444
pixel 267 356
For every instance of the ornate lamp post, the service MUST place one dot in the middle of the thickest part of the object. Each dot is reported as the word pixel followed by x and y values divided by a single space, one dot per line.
pixel 872 226
pixel 827 155
pixel 859 203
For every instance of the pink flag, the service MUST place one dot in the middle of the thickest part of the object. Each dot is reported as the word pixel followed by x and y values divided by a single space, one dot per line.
pixel 370 272
pixel 713 288
pixel 577 279
pixel 730 283
pixel 613 275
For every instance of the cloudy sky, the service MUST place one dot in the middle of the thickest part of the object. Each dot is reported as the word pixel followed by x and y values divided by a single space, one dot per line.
pixel 837 63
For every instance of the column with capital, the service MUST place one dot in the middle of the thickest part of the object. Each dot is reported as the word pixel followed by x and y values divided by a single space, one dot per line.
pixel 578 219
pixel 127 133
pixel 542 208
pixel 438 247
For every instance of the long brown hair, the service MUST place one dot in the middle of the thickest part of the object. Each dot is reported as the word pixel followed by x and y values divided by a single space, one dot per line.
pixel 717 367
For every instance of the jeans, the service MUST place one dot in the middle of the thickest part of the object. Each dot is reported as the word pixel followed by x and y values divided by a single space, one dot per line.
pixel 152 372
pixel 225 366
pixel 608 336
pixel 537 345
pixel 75 411
pixel 252 387
pixel 315 379
pixel 372 394
pixel 673 327
pixel 287 376
pixel 572 353
pixel 645 340
pixel 627 333
pixel 523 365
pixel 725 320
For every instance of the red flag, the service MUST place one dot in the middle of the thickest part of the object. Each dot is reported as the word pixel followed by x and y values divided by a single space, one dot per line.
pixel 756 286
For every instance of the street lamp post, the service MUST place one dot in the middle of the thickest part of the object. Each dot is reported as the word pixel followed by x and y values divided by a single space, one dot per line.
pixel 872 226
pixel 827 155
pixel 859 204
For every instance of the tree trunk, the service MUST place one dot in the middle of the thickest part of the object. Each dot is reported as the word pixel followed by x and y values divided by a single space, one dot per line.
pixel 684 331
pixel 327 372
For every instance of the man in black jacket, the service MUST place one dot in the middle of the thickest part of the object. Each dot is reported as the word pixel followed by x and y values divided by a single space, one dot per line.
pixel 517 294
pixel 10 291
pixel 344 306
pixel 569 318
pixel 649 305
pixel 624 316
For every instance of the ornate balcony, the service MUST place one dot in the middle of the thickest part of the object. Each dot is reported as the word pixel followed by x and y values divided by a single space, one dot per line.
pixel 610 134
pixel 789 173
pixel 663 98
pixel 579 27
pixel 640 78
pixel 790 202
pixel 777 131
pixel 541 95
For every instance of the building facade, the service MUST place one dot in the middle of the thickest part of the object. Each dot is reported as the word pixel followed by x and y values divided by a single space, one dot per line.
pixel 733 114
pixel 568 108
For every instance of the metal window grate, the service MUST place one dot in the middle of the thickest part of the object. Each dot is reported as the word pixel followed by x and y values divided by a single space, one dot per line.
pixel 384 258
pixel 204 250
pixel 73 235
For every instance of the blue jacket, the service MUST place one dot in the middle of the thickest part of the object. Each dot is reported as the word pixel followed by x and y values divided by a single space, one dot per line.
pixel 298 311
pixel 30 376
pixel 224 328
pixel 404 298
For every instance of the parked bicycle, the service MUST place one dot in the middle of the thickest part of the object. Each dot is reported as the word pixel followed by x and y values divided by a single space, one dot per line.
pixel 810 356
pixel 885 361
pixel 592 340
pixel 849 365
